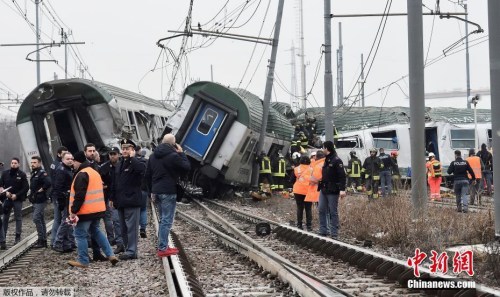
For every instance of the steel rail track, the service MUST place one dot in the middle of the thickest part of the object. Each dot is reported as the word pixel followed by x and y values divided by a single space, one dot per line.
pixel 385 266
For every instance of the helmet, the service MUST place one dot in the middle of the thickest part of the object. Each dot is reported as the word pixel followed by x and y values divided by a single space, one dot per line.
pixel 296 155
pixel 431 155
pixel 352 153
pixel 373 150
pixel 394 153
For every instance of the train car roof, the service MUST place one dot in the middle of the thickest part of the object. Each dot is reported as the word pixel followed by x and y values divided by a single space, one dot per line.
pixel 356 118
pixel 93 92
pixel 248 105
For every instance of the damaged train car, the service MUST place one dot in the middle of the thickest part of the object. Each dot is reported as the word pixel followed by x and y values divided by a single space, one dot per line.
pixel 73 112
pixel 219 128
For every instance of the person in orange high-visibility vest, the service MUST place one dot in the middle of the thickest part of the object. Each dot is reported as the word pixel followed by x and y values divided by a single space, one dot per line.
pixel 86 208
pixel 477 166
pixel 315 178
pixel 300 181
pixel 434 173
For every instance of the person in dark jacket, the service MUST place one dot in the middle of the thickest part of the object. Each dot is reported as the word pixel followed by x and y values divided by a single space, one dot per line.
pixel 371 171
pixel 57 214
pixel 64 241
pixel 332 186
pixel 165 166
pixel 459 169
pixel 385 173
pixel 127 197
pixel 143 217
pixel 16 180
pixel 487 159
pixel 86 208
pixel 39 185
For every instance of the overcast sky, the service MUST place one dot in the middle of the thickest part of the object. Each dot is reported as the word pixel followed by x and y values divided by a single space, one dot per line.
pixel 121 48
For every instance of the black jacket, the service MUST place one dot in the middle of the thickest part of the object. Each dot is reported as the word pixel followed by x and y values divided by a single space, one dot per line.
pixel 53 167
pixel 80 184
pixel 16 179
pixel 333 175
pixel 144 183
pixel 459 169
pixel 165 166
pixel 487 159
pixel 40 181
pixel 386 160
pixel 372 166
pixel 108 172
pixel 61 185
pixel 127 184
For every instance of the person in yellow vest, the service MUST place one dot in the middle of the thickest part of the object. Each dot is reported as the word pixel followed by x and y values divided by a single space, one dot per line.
pixel 279 172
pixel 315 177
pixel 477 166
pixel 86 208
pixel 434 176
pixel 300 181
pixel 354 173
pixel 265 174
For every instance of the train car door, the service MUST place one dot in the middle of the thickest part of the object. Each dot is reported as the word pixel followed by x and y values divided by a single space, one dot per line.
pixel 431 141
pixel 203 131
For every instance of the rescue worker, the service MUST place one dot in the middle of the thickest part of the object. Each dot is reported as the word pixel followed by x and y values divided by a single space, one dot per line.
pixel 385 173
pixel 39 185
pixel 477 166
pixel 295 144
pixel 304 141
pixel 16 182
pixel 396 175
pixel 434 173
pixel 300 181
pixel 354 173
pixel 315 177
pixel 487 159
pixel 279 167
pixel 371 171
pixel 57 214
pixel 61 185
pixel 296 159
pixel 332 187
pixel 265 174
pixel 459 169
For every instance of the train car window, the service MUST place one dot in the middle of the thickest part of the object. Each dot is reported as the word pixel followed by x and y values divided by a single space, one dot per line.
pixel 349 142
pixel 142 124
pixel 490 138
pixel 387 140
pixel 248 151
pixel 462 138
pixel 163 121
pixel 131 118
pixel 207 121
pixel 244 145
pixel 123 113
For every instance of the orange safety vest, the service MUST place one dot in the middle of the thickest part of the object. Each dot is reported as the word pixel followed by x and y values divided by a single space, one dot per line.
pixel 302 181
pixel 316 176
pixel 475 164
pixel 94 198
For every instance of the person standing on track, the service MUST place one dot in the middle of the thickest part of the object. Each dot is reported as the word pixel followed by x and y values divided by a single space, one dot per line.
pixel 39 185
pixel 167 163
pixel 52 173
pixel 459 169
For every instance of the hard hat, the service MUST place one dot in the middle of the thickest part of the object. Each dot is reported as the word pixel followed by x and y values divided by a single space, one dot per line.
pixel 352 153
pixel 431 155
pixel 296 155
pixel 373 150
pixel 394 153
pixel 313 154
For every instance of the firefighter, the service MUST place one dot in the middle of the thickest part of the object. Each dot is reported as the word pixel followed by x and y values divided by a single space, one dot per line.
pixel 396 175
pixel 354 173
pixel 265 174
pixel 371 170
pixel 434 173
pixel 278 169
pixel 304 141
pixel 478 166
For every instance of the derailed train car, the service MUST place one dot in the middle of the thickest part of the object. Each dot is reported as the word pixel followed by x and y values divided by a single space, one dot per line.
pixel 73 112
pixel 219 128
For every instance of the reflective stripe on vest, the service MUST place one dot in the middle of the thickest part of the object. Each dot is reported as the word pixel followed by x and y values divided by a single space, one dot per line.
pixel 301 184
pixel 281 168
pixel 475 164
pixel 436 168
pixel 265 166
pixel 355 169
pixel 94 197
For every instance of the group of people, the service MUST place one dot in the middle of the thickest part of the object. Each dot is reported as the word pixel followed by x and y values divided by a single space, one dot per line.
pixel 85 190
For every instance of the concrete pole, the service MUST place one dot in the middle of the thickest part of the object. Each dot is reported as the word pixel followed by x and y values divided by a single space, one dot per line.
pixel 341 69
pixel 467 68
pixel 268 90
pixel 37 45
pixel 328 74
pixel 417 106
pixel 362 82
pixel 65 56
pixel 302 57
pixel 211 72
pixel 494 26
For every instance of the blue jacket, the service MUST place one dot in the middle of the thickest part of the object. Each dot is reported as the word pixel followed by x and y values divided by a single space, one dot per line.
pixel 40 181
pixel 165 166
pixel 61 185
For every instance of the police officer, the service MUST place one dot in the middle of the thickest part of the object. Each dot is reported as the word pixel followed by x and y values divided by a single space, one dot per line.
pixel 332 187
pixel 57 214
pixel 459 169
pixel 354 172
pixel 16 180
pixel 371 170
pixel 39 185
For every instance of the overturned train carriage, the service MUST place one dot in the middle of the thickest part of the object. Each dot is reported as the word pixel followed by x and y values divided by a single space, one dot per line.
pixel 73 112
pixel 219 128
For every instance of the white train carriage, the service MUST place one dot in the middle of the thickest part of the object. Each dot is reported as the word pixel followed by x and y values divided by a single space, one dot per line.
pixel 73 112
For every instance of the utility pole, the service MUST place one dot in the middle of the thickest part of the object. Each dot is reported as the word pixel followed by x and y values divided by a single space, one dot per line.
pixel 467 67
pixel 328 74
pixel 362 82
pixel 268 90
pixel 294 103
pixel 494 26
pixel 302 57
pixel 64 40
pixel 37 45
pixel 211 72
pixel 417 106
pixel 340 64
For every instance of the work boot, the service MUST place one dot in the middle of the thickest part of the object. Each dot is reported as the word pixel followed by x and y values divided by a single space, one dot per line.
pixel 3 246
pixel 18 239
pixel 113 260
pixel 77 264
pixel 39 244
pixel 99 257
pixel 143 233
pixel 119 249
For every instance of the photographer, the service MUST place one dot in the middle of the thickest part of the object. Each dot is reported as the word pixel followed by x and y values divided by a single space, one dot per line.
pixel 331 187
